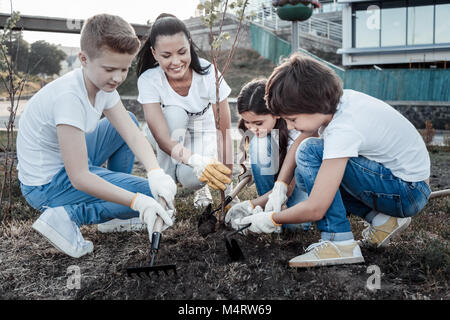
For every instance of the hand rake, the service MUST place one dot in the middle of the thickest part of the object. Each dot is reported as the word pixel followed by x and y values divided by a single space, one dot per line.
pixel 156 239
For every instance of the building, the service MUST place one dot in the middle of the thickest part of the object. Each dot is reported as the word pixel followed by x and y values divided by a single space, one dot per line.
pixel 400 33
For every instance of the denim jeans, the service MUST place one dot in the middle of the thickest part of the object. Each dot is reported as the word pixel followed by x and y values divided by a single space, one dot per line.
pixel 367 188
pixel 195 134
pixel 103 144
pixel 264 167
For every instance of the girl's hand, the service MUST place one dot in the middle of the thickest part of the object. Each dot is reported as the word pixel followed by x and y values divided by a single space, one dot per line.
pixel 239 211
pixel 162 185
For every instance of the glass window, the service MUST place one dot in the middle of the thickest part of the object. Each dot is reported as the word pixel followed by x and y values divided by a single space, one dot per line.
pixel 420 24
pixel 393 24
pixel 442 23
pixel 367 26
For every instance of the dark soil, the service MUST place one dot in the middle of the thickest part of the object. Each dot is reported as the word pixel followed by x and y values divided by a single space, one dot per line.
pixel 415 266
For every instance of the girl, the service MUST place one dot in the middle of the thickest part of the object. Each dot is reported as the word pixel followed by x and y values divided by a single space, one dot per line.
pixel 177 91
pixel 268 148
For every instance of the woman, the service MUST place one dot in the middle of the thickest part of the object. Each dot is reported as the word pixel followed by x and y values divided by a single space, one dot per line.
pixel 177 91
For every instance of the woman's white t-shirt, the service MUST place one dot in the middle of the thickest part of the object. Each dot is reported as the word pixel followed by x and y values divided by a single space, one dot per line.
pixel 368 127
pixel 63 101
pixel 154 87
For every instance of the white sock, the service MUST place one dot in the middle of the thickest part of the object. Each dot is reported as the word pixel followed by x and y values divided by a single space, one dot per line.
pixel 380 219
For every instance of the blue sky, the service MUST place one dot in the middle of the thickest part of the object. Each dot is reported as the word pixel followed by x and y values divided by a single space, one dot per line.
pixel 134 11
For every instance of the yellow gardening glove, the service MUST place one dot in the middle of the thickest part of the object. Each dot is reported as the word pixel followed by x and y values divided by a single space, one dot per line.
pixel 210 171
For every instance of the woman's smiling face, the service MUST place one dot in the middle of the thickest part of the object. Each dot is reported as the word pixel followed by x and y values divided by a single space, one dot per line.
pixel 173 55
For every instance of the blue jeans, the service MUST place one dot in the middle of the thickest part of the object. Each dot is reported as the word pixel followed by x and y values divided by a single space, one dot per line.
pixel 103 144
pixel 366 188
pixel 264 168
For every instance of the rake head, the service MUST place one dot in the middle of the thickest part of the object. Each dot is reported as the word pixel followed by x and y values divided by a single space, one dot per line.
pixel 143 272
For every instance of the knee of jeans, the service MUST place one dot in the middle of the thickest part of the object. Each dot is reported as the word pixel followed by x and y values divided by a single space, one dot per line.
pixel 133 117
pixel 309 149
pixel 185 175
pixel 176 118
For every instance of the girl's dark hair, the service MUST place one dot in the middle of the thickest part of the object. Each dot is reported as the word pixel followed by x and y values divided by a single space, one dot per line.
pixel 166 24
pixel 251 98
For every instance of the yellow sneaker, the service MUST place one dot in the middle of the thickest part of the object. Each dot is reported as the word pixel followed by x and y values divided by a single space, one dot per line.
pixel 327 253
pixel 380 236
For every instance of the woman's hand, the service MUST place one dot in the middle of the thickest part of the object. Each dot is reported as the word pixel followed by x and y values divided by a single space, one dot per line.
pixel 210 171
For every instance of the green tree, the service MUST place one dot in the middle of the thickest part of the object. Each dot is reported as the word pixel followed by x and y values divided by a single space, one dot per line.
pixel 18 50
pixel 49 55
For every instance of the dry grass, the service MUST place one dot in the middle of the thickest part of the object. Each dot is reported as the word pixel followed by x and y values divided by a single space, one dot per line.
pixel 416 266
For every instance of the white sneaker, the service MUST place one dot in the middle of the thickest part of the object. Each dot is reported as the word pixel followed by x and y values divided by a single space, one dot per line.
pixel 202 197
pixel 57 227
pixel 326 253
pixel 119 225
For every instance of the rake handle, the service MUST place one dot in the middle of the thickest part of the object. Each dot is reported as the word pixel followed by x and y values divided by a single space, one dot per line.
pixel 440 193
pixel 159 222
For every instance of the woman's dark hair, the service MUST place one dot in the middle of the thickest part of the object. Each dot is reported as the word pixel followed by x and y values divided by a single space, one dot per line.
pixel 166 24
pixel 251 98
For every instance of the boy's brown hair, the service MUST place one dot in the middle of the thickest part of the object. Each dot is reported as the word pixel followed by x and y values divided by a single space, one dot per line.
pixel 302 84
pixel 105 31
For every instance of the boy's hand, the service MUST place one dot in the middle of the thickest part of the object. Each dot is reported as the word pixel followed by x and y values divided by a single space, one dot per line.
pixel 277 198
pixel 261 222
pixel 210 171
pixel 149 209
pixel 162 185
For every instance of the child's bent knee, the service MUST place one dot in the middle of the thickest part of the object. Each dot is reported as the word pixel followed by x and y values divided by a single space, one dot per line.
pixel 310 148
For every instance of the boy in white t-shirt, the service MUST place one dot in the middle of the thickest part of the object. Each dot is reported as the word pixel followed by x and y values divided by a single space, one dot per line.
pixel 369 161
pixel 62 144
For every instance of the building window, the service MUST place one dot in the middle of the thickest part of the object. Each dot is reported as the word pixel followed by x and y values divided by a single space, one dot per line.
pixel 420 25
pixel 442 24
pixel 393 24
pixel 366 25
pixel 400 23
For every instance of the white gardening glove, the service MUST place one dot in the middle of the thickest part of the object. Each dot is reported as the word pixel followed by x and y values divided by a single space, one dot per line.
pixel 261 222
pixel 210 171
pixel 277 197
pixel 239 211
pixel 162 186
pixel 149 209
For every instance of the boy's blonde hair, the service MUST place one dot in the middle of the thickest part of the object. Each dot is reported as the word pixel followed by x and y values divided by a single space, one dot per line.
pixel 105 31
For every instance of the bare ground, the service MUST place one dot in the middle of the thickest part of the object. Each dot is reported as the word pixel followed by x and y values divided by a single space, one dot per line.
pixel 415 266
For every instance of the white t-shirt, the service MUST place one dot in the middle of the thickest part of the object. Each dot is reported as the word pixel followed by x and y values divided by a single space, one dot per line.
pixel 63 101
pixel 366 126
pixel 154 87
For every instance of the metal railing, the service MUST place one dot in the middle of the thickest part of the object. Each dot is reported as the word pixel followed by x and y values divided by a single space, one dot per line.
pixel 261 12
